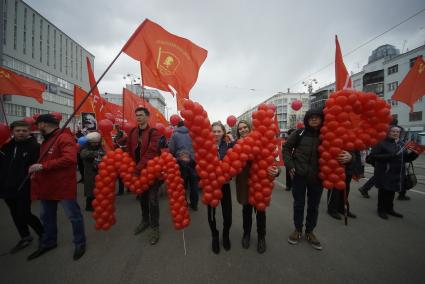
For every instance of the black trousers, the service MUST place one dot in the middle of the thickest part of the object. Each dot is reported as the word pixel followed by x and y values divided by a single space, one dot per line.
pixel 247 220
pixel 336 198
pixel 20 209
pixel 288 179
pixel 385 200
pixel 226 209
pixel 80 166
pixel 150 205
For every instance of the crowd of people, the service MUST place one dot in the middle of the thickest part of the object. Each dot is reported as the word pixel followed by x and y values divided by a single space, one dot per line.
pixel 48 172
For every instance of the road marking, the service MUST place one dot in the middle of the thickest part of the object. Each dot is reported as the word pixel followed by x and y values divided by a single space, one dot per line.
pixel 417 191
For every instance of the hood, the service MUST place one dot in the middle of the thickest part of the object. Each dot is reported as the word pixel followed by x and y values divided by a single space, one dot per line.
pixel 310 113
pixel 182 130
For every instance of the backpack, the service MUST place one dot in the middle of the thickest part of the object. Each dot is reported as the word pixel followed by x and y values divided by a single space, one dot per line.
pixel 300 134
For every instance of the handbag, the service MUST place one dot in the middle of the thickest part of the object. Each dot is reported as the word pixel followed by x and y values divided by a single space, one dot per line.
pixel 410 179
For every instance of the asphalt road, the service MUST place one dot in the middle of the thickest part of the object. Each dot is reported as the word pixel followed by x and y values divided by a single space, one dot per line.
pixel 368 250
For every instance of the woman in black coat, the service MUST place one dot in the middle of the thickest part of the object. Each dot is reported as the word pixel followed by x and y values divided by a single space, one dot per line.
pixel 390 170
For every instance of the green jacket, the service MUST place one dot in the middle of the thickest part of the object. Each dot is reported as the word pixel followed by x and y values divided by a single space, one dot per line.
pixel 300 152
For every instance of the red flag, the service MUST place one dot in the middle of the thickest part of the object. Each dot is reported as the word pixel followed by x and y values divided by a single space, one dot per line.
pixel 131 101
pixel 173 60
pixel 79 95
pixel 150 80
pixel 342 78
pixel 98 101
pixel 13 84
pixel 412 88
pixel 415 147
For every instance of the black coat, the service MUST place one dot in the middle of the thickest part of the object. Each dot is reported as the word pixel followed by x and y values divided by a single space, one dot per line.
pixel 15 159
pixel 390 167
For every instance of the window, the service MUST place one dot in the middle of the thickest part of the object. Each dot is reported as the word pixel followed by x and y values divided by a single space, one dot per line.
pixel 41 40
pixel 415 116
pixel 24 49
pixel 34 110
pixel 393 69
pixel 66 56
pixel 48 45
pixel 393 102
pixel 32 35
pixel 72 59
pixel 15 25
pixel 4 21
pixel 14 110
pixel 413 60
pixel 54 49
pixel 60 53
pixel 81 63
pixel 392 86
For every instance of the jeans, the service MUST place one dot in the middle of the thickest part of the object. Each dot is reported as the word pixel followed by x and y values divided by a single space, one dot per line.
pixel 49 220
pixel 300 186
pixel 20 209
pixel 190 177
pixel 150 205
pixel 226 208
pixel 247 220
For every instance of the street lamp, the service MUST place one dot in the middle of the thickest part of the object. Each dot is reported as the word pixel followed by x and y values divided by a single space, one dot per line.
pixel 133 78
pixel 309 84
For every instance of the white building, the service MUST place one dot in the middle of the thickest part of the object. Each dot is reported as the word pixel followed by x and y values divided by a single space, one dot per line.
pixel 34 47
pixel 286 116
pixel 385 70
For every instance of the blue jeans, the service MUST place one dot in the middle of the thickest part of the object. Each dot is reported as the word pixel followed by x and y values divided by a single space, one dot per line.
pixel 300 186
pixel 49 216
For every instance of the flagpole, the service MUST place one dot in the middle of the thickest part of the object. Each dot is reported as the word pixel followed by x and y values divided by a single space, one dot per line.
pixel 71 117
pixel 143 84
pixel 123 109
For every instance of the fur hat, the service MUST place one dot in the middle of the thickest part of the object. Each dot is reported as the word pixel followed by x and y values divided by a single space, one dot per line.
pixel 93 137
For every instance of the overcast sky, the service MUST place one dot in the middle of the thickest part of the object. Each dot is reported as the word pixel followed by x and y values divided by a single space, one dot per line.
pixel 255 48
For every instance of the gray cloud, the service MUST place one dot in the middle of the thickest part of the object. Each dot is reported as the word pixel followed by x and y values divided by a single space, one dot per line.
pixel 263 45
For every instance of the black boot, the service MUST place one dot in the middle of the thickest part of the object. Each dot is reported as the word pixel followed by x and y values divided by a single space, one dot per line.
pixel 261 245
pixel 215 242
pixel 226 239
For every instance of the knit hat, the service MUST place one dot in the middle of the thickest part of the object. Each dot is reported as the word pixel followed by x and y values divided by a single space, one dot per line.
pixel 47 118
pixel 93 137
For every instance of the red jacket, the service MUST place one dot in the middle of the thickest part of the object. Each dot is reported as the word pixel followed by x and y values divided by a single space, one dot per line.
pixel 147 152
pixel 58 179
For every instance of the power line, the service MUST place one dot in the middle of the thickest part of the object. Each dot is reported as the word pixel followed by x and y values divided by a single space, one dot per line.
pixel 360 46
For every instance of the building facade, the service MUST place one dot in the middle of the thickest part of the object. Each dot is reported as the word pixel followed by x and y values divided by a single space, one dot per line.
pixel 34 47
pixel 385 70
pixel 287 117
pixel 154 97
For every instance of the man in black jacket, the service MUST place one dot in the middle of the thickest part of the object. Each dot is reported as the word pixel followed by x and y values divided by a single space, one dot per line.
pixel 16 157
pixel 302 159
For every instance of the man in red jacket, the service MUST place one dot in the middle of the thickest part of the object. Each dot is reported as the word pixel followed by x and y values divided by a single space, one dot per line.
pixel 54 181
pixel 143 145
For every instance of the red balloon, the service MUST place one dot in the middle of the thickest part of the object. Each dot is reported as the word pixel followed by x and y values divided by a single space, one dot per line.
pixel 296 105
pixel 231 120
pixel 105 126
pixel 175 119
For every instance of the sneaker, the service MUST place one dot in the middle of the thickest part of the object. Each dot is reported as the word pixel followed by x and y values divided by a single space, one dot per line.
pixel 21 245
pixel 141 227
pixel 245 241
pixel 403 197
pixel 295 237
pixel 364 193
pixel 154 237
pixel 311 238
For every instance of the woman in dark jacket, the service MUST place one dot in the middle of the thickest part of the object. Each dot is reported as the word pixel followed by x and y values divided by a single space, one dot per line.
pixel 223 144
pixel 390 158
pixel 242 130
pixel 91 155
pixel 15 158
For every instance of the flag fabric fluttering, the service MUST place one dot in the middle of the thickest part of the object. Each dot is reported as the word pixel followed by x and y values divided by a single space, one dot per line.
pixel 171 60
pixel 415 147
pixel 342 78
pixel 412 88
pixel 12 83
pixel 132 101
pixel 98 101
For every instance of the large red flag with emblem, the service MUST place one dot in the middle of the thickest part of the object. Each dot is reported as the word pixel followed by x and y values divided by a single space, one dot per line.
pixel 412 88
pixel 342 78
pixel 13 84
pixel 132 101
pixel 98 101
pixel 171 59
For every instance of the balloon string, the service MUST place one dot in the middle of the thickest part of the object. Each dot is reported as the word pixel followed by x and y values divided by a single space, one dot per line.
pixel 184 244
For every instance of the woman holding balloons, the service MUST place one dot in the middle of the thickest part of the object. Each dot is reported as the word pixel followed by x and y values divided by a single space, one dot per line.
pixel 243 128
pixel 223 142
